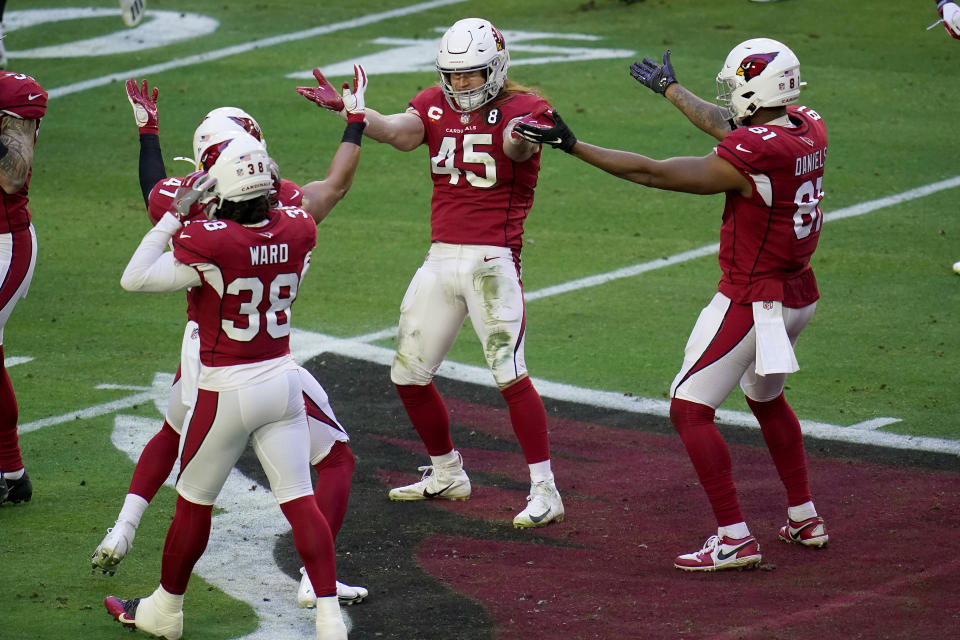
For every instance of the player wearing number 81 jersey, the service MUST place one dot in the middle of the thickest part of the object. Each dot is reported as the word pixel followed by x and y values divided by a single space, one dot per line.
pixel 770 164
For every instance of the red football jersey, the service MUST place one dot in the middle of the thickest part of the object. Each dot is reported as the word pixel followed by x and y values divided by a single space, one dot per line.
pixel 243 304
pixel 766 240
pixel 480 196
pixel 160 199
pixel 20 97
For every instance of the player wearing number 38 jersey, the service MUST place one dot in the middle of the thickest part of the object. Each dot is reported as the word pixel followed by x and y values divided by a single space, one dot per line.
pixel 243 266
pixel 770 164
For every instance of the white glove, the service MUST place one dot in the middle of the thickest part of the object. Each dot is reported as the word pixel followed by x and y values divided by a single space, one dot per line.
pixel 353 100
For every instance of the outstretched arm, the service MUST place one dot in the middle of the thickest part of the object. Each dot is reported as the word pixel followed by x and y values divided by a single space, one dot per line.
pixel 403 131
pixel 709 174
pixel 660 78
pixel 16 152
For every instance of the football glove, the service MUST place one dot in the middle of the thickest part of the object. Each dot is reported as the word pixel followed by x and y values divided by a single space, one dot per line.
pixel 353 99
pixel 654 75
pixel 323 95
pixel 950 13
pixel 194 196
pixel 547 128
pixel 144 106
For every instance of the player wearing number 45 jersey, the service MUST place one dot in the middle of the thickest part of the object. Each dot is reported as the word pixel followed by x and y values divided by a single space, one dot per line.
pixel 483 182
pixel 770 164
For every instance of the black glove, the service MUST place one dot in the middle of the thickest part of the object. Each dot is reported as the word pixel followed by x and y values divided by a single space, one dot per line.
pixel 558 136
pixel 654 75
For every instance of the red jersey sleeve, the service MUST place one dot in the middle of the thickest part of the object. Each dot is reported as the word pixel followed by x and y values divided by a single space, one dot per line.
pixel 22 96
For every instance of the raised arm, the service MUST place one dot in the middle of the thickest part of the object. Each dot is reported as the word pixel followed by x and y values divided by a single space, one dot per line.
pixel 16 152
pixel 660 78
pixel 145 114
pixel 403 131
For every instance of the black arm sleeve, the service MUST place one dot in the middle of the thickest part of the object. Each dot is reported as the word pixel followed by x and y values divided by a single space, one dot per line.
pixel 152 170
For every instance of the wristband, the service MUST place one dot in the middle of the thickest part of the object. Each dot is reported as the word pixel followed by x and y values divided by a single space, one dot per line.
pixel 353 133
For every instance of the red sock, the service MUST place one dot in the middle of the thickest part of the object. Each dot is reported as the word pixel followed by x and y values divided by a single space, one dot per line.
pixel 429 416
pixel 186 541
pixel 781 431
pixel 155 463
pixel 10 459
pixel 311 537
pixel 710 457
pixel 332 491
pixel 529 420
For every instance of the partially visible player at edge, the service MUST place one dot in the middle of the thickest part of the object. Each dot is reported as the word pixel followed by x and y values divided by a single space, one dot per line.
pixel 483 187
pixel 950 15
pixel 23 104
pixel 331 456
pixel 770 165
pixel 243 267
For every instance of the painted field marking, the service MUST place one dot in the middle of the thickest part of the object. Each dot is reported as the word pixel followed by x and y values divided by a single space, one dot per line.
pixel 15 360
pixel 308 344
pixel 262 43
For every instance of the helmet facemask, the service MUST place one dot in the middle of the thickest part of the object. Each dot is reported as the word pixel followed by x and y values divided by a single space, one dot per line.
pixel 469 45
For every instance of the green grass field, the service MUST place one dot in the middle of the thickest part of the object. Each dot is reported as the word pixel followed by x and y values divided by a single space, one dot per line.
pixel 883 342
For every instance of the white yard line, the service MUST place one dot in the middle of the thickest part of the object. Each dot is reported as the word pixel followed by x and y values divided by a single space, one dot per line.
pixel 373 18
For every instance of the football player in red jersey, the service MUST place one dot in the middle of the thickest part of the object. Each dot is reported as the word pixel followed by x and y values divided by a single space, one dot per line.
pixel 242 268
pixel 770 164
pixel 331 456
pixel 23 104
pixel 483 184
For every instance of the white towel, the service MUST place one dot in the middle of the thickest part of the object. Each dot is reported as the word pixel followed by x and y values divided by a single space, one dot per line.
pixel 774 351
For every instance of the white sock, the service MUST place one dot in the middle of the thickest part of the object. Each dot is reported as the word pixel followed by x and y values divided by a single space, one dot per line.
pixel 133 508
pixel 802 512
pixel 445 459
pixel 14 475
pixel 540 472
pixel 736 531
pixel 169 603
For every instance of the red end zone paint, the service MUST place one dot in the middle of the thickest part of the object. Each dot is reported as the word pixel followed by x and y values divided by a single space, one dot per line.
pixel 633 503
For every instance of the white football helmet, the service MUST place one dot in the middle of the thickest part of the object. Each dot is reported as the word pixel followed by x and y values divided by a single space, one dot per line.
pixel 223 119
pixel 758 73
pixel 242 170
pixel 472 44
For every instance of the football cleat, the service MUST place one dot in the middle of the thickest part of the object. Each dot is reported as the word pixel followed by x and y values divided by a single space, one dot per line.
pixel 448 482
pixel 141 613
pixel 113 547
pixel 20 490
pixel 346 594
pixel 543 506
pixel 721 553
pixel 132 11
pixel 809 532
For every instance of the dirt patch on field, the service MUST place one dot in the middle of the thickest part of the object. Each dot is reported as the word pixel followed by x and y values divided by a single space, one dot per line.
pixel 442 570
